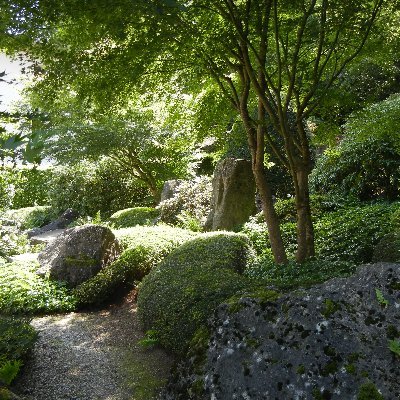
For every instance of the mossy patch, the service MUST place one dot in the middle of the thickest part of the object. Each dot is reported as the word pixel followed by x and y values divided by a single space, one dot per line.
pixel 368 391
pixel 80 261
pixel 330 307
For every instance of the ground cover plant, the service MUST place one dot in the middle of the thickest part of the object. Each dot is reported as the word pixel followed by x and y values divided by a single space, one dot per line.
pixel 30 217
pixel 16 340
pixel 22 291
pixel 345 238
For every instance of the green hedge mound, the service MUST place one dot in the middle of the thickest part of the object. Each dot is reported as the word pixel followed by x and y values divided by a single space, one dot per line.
pixel 134 216
pixel 144 247
pixel 180 294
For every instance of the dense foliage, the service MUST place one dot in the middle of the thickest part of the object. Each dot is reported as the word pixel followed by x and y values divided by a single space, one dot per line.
pixel 179 295
pixel 347 234
pixel 16 341
pixel 190 205
pixel 30 217
pixel 22 291
pixel 23 187
pixel 91 187
pixel 366 163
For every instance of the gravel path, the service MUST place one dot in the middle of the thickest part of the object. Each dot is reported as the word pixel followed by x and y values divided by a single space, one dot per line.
pixel 92 356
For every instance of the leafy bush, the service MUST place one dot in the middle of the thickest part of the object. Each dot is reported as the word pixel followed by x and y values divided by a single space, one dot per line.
pixel 11 242
pixel 17 338
pixel 144 247
pixel 180 294
pixel 23 187
pixel 366 164
pixel 351 234
pixel 367 170
pixel 388 248
pixel 22 291
pixel 191 201
pixel 91 187
pixel 134 216
pixel 256 230
pixel 30 217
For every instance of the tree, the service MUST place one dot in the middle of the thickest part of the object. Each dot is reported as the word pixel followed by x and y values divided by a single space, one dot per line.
pixel 141 149
pixel 277 57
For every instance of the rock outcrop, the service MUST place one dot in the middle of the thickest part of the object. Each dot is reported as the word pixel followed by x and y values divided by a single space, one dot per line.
pixel 337 340
pixel 233 197
pixel 78 254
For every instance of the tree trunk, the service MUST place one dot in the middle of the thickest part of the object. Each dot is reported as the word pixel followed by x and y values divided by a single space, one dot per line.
pixel 264 189
pixel 305 230
pixel 271 218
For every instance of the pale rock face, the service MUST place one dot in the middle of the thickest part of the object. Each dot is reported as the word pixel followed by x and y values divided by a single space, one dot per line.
pixel 233 197
pixel 333 351
pixel 78 254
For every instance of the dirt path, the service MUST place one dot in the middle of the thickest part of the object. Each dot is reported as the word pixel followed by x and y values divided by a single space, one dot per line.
pixel 93 356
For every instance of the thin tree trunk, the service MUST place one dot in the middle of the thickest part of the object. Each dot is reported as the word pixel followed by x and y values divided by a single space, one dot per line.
pixel 305 229
pixel 271 218
pixel 264 189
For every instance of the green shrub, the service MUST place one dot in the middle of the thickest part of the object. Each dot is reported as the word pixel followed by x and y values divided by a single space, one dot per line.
pixel 367 169
pixel 91 187
pixel 11 242
pixel 30 217
pixel 22 291
pixel 144 247
pixel 388 248
pixel 349 234
pixel 256 230
pixel 17 338
pixel 180 294
pixel 23 187
pixel 134 216
pixel 352 233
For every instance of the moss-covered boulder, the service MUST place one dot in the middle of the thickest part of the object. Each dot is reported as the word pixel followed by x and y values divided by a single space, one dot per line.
pixel 134 216
pixel 180 294
pixel 78 254
pixel 143 248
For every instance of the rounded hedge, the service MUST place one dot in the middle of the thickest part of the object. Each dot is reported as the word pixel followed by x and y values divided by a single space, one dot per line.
pixel 134 216
pixel 144 247
pixel 180 294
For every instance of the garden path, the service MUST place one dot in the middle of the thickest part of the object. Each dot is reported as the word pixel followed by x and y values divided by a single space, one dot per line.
pixel 93 356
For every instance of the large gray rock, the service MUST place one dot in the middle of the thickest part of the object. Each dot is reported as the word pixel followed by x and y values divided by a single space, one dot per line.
pixel 233 197
pixel 78 254
pixel 61 222
pixel 328 342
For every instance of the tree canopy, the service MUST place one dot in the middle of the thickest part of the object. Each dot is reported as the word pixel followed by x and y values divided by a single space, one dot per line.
pixel 274 62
